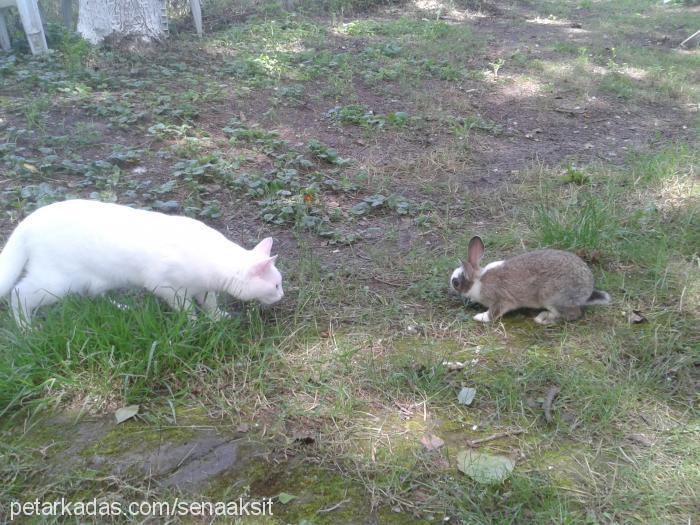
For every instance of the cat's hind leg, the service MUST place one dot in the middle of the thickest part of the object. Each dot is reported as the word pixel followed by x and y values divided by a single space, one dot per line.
pixel 177 299
pixel 27 296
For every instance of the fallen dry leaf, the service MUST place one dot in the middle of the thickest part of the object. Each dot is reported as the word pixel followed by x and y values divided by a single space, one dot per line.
pixel 125 413
pixel 304 439
pixel 591 257
pixel 453 366
pixel 641 439
pixel 636 317
pixel 466 396
pixel 432 442
pixel 552 393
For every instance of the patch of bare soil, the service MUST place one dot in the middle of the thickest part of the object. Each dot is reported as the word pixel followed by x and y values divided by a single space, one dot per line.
pixel 550 121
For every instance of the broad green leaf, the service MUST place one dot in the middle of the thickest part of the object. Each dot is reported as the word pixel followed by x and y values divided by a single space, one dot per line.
pixel 360 208
pixel 285 498
pixel 484 468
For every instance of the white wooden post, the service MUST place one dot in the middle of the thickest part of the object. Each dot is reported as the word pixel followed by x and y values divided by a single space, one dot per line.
pixel 4 35
pixel 31 22
pixel 197 15
pixel 692 41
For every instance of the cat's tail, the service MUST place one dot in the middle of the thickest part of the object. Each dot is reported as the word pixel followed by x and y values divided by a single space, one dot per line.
pixel 13 258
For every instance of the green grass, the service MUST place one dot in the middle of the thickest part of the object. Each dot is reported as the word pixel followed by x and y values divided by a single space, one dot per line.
pixel 34 112
pixel 147 352
pixel 614 212
pixel 631 72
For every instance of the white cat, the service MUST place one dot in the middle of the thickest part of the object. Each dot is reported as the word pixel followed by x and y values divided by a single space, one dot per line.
pixel 88 247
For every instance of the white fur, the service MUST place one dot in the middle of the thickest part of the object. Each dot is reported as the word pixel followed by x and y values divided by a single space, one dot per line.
pixel 88 247
pixel 457 272
pixel 491 266
pixel 474 292
pixel 484 317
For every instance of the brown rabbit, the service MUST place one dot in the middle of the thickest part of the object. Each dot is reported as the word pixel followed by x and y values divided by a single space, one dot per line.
pixel 557 281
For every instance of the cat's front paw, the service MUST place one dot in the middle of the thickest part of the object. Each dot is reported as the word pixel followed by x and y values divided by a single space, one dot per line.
pixel 218 315
pixel 483 317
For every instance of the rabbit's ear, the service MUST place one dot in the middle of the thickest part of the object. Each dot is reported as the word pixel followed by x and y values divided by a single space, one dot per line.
pixel 476 251
pixel 468 270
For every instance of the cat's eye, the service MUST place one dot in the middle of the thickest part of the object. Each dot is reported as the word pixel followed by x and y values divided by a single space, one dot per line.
pixel 277 287
pixel 455 282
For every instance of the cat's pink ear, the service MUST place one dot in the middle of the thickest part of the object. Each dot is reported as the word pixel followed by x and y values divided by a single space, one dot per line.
pixel 264 247
pixel 260 268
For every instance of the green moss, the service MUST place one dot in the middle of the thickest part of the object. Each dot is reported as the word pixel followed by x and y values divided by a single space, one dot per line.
pixel 315 489
pixel 39 435
pixel 132 435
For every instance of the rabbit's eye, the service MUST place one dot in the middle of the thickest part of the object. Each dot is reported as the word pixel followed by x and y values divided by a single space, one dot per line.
pixel 455 282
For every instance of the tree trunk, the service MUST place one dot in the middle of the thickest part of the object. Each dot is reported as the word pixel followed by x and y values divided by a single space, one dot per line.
pixel 141 19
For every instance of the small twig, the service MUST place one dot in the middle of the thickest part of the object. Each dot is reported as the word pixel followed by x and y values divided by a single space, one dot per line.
pixel 568 111
pixel 404 410
pixel 337 505
pixel 186 456
pixel 398 285
pixel 552 393
pixel 570 489
pixel 476 442
pixel 596 120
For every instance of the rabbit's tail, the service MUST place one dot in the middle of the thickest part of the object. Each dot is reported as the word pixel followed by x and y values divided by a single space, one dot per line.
pixel 599 297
